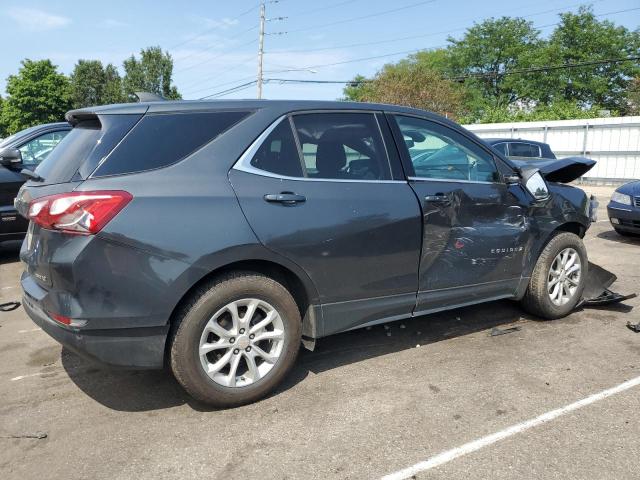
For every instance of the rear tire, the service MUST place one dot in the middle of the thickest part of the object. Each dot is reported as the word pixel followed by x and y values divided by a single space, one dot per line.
pixel 554 290
pixel 236 339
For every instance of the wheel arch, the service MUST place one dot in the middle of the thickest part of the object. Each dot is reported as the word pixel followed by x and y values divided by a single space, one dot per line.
pixel 292 277
pixel 571 227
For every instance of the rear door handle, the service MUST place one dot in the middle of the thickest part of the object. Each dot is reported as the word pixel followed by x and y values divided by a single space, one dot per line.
pixel 286 198
pixel 439 198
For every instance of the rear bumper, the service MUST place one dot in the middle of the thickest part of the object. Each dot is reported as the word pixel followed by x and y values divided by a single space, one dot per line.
pixel 628 218
pixel 140 348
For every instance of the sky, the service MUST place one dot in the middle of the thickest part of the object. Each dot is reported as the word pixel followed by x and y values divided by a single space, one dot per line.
pixel 214 44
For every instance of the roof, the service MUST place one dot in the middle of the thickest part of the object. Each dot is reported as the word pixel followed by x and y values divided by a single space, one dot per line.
pixel 278 105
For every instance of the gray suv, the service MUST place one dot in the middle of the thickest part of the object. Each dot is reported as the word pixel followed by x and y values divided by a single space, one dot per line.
pixel 220 236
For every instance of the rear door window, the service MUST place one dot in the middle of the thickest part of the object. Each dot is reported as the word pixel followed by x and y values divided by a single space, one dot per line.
pixel 278 154
pixel 342 145
pixel 159 140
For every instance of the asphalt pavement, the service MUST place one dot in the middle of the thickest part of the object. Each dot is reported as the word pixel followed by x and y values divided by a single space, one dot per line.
pixel 364 404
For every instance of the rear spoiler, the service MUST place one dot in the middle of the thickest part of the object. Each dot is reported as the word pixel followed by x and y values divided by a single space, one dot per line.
pixel 74 117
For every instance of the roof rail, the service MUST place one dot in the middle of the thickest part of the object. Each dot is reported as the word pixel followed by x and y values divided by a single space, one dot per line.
pixel 149 97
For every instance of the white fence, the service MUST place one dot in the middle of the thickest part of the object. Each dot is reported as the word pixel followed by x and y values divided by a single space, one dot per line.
pixel 613 142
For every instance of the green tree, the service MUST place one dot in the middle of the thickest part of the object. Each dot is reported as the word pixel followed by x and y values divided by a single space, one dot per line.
pixel 93 84
pixel 357 91
pixel 413 84
pixel 486 54
pixel 581 37
pixel 633 97
pixel 112 92
pixel 2 129
pixel 37 94
pixel 152 73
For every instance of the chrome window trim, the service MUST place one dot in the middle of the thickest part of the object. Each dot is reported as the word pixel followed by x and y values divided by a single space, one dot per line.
pixel 447 180
pixel 243 164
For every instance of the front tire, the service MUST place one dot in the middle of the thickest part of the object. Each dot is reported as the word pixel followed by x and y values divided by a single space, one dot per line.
pixel 236 339
pixel 558 279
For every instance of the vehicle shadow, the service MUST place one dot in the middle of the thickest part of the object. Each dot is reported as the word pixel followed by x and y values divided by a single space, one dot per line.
pixel 10 252
pixel 136 391
pixel 614 236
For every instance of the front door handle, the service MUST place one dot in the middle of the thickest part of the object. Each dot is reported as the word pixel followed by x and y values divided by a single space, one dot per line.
pixel 438 198
pixel 286 198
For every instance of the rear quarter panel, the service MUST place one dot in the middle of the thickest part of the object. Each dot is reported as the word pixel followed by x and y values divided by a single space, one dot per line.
pixel 183 223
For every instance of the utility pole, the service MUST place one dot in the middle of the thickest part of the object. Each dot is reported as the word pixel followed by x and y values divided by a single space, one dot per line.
pixel 260 49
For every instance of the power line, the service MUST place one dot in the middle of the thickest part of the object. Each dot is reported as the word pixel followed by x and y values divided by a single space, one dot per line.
pixel 413 37
pixel 442 46
pixel 326 7
pixel 201 34
pixel 361 17
pixel 198 53
pixel 246 61
pixel 545 68
pixel 355 60
pixel 230 90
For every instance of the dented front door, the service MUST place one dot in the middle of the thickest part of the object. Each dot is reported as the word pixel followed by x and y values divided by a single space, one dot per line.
pixel 475 228
pixel 474 242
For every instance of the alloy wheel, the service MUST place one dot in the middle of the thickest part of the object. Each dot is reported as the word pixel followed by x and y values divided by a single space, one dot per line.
pixel 242 342
pixel 564 276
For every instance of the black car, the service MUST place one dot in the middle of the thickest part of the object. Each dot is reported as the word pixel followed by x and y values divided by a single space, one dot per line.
pixel 518 148
pixel 624 209
pixel 25 149
pixel 220 235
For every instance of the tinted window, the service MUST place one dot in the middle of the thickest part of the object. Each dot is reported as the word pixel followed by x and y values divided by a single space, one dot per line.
pixel 502 148
pixel 159 140
pixel 278 153
pixel 84 146
pixel 440 152
pixel 519 149
pixel 342 146
pixel 39 148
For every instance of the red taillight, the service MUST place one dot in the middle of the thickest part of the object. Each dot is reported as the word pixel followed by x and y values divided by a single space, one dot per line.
pixel 81 213
pixel 60 318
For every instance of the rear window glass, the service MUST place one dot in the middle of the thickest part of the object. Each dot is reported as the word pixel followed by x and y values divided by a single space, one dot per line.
pixel 84 146
pixel 160 140
pixel 517 149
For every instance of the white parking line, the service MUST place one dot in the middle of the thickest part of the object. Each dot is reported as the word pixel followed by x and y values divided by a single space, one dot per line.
pixel 475 445
pixel 30 330
pixel 26 376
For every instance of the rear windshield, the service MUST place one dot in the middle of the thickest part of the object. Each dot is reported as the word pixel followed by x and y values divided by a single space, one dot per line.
pixel 84 146
pixel 159 140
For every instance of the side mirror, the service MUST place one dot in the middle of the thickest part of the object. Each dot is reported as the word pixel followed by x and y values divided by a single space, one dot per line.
pixel 512 179
pixel 535 184
pixel 10 157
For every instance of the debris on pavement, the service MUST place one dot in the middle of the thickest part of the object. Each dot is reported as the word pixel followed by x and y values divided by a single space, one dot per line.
pixel 36 435
pixel 9 306
pixel 634 327
pixel 495 331
pixel 596 291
